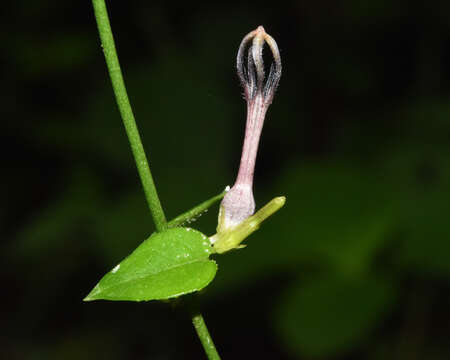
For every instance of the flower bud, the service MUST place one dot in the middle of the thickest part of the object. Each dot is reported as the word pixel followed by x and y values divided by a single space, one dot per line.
pixel 238 204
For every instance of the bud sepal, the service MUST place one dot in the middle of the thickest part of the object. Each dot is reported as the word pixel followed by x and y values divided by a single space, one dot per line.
pixel 231 238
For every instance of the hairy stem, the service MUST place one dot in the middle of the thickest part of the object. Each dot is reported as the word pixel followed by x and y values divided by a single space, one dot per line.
pixel 192 214
pixel 126 112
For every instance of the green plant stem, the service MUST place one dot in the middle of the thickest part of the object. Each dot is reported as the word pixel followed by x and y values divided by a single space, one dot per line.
pixel 126 112
pixel 204 336
pixel 112 62
pixel 195 212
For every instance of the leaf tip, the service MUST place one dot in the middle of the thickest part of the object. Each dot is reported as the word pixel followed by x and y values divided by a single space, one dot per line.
pixel 93 294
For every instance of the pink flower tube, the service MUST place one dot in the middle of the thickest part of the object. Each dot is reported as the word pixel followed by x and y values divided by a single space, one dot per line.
pixel 238 204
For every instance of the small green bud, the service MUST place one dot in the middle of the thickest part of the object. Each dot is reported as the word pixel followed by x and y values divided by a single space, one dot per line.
pixel 231 238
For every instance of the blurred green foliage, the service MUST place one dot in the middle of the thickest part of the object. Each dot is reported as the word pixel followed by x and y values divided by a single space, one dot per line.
pixel 355 266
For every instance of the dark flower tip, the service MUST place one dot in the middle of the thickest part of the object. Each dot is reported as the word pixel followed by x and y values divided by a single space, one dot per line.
pixel 250 65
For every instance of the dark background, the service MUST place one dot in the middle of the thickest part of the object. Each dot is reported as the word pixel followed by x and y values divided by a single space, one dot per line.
pixel 355 266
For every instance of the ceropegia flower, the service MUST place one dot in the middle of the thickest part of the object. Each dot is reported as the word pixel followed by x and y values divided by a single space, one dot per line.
pixel 259 89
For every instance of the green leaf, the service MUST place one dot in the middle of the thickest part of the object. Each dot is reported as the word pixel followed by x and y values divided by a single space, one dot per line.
pixel 166 265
